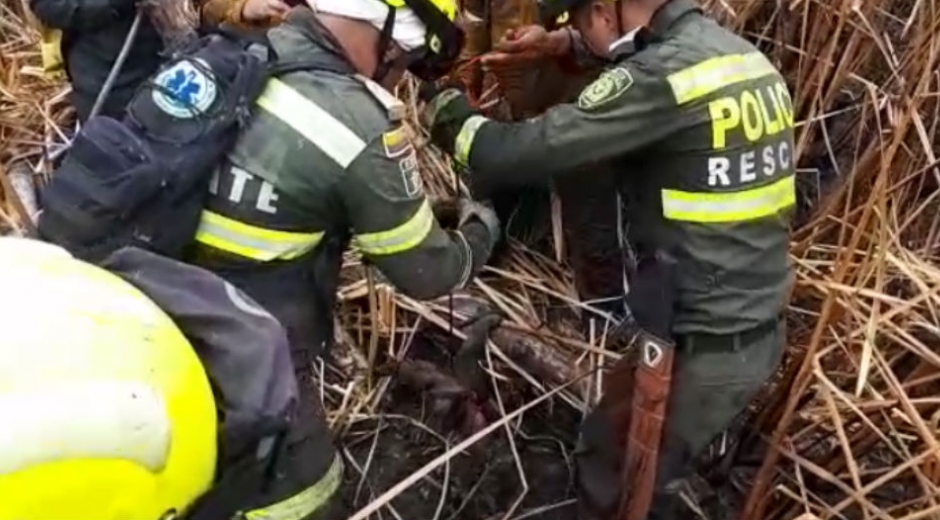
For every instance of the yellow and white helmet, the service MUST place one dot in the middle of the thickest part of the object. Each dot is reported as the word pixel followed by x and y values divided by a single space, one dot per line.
pixel 444 37
pixel 106 411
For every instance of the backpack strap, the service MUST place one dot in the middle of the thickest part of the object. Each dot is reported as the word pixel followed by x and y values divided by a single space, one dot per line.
pixel 278 68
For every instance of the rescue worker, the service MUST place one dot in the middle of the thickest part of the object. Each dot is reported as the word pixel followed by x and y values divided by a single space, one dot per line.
pixel 162 395
pixel 92 33
pixel 327 161
pixel 703 123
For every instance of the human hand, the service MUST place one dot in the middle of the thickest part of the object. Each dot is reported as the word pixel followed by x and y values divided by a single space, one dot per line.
pixel 444 115
pixel 470 210
pixel 257 10
pixel 528 43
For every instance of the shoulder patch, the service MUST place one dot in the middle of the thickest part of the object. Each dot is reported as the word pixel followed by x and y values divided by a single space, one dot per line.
pixel 411 176
pixel 187 89
pixel 396 142
pixel 393 106
pixel 611 84
pixel 397 146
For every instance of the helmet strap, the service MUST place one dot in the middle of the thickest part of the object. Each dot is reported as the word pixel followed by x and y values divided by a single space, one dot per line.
pixel 385 40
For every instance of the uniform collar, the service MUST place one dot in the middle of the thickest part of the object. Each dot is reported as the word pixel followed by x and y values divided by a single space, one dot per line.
pixel 669 13
pixel 304 21
pixel 663 19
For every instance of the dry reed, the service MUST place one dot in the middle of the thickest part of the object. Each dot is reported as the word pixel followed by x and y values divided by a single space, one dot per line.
pixel 853 420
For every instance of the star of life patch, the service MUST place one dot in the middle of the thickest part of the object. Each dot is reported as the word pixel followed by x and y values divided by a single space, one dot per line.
pixel 396 143
pixel 611 84
pixel 186 89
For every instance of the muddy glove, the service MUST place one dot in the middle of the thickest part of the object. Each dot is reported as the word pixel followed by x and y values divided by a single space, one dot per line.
pixel 480 227
pixel 471 211
pixel 444 115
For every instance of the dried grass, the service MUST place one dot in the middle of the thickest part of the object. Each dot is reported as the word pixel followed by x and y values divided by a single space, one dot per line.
pixel 853 418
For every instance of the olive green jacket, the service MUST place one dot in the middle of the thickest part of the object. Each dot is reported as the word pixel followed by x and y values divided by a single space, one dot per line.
pixel 702 123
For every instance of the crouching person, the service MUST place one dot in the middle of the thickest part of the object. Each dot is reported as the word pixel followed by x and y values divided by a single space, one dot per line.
pixel 165 394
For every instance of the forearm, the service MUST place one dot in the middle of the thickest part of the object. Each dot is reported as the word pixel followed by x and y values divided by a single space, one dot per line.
pixel 441 263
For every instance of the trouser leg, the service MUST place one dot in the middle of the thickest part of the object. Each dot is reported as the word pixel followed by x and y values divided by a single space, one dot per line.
pixel 299 471
pixel 709 390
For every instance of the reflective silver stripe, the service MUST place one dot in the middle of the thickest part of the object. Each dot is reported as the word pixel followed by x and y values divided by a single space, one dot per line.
pixel 464 142
pixel 251 241
pixel 736 206
pixel 710 75
pixel 332 137
pixel 306 502
pixel 400 238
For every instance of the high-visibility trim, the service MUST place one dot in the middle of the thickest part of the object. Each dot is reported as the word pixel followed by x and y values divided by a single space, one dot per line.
pixel 464 141
pixel 332 137
pixel 306 502
pixel 735 206
pixel 710 75
pixel 400 238
pixel 253 242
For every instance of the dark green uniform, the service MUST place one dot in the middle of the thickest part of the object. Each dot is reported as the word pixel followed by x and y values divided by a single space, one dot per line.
pixel 703 124
pixel 326 162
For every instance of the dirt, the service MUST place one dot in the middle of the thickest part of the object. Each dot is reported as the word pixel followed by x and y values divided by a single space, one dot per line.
pixel 480 483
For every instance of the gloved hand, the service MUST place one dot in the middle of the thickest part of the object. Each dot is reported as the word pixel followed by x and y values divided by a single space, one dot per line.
pixel 470 210
pixel 652 294
pixel 444 115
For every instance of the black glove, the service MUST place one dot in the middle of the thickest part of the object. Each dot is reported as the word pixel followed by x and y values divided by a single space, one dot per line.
pixel 652 294
pixel 444 115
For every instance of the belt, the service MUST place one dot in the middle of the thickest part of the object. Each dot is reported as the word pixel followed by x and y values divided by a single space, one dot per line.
pixel 703 342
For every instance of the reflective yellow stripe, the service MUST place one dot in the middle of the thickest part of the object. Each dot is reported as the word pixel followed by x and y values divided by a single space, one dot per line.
pixel 251 241
pixel 464 140
pixel 307 501
pixel 332 137
pixel 730 207
pixel 710 75
pixel 400 238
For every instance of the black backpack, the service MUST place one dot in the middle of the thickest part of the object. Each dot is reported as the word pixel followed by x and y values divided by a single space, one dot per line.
pixel 143 181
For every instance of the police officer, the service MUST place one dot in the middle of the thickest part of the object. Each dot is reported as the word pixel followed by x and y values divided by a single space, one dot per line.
pixel 704 123
pixel 108 410
pixel 327 162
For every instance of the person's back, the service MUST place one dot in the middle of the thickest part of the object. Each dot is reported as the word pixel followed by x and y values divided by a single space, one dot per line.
pixel 93 33
pixel 728 95
pixel 327 161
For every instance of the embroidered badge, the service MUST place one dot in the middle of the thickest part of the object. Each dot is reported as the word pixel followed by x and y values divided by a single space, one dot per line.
pixel 610 85
pixel 185 89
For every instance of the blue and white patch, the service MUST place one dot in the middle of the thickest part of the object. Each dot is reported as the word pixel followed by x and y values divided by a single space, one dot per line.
pixel 185 89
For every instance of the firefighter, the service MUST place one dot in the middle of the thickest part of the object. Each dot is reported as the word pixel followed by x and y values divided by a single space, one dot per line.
pixel 157 396
pixel 327 163
pixel 702 123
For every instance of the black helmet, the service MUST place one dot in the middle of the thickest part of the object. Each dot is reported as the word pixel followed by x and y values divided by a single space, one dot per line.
pixel 555 12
